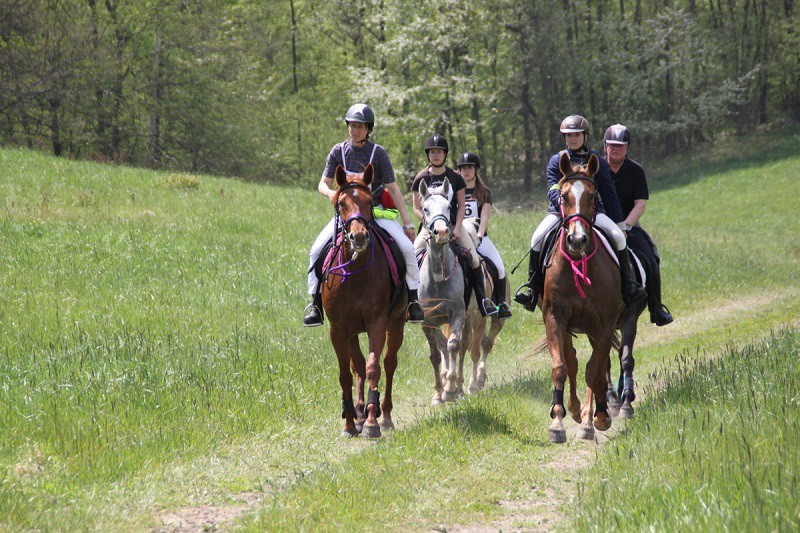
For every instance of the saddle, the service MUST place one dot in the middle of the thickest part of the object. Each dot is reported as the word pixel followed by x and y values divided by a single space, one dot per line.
pixel 462 256
pixel 641 265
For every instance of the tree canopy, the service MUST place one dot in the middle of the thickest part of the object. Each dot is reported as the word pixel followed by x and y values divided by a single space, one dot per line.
pixel 258 90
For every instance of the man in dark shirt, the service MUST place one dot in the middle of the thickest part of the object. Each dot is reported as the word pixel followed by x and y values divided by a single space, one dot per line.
pixel 631 184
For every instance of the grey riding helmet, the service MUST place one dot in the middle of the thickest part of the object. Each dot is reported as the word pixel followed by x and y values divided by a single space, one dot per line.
pixel 360 113
pixel 617 134
pixel 574 124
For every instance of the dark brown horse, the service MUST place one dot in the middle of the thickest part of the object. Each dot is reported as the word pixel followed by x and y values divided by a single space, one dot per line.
pixel 357 296
pixel 581 295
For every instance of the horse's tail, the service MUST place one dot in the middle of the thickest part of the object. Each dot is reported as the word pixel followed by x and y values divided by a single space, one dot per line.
pixel 540 346
pixel 616 341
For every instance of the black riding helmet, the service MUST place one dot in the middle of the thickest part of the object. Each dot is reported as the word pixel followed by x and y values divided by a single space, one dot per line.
pixel 360 113
pixel 617 134
pixel 436 141
pixel 468 158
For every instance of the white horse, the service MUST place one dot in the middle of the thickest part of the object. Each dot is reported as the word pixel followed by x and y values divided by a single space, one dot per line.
pixel 441 294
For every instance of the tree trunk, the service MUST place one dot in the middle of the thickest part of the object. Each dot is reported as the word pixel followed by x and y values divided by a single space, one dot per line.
pixel 154 133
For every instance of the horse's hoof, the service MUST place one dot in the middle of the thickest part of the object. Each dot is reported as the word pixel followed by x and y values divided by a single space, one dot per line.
pixel 349 433
pixel 371 432
pixel 626 411
pixel 387 425
pixel 437 401
pixel 602 423
pixel 557 436
pixel 585 433
pixel 450 396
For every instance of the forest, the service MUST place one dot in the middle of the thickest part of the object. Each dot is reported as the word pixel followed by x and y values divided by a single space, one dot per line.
pixel 258 90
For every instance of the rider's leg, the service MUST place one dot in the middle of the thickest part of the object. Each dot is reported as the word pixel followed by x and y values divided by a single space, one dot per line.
pixel 639 241
pixel 632 292
pixel 314 313
pixel 393 228
pixel 488 250
pixel 528 294
pixel 485 305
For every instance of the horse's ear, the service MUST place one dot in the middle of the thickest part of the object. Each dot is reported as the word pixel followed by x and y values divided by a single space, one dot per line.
pixel 565 164
pixel 423 189
pixel 593 166
pixel 447 190
pixel 341 176
pixel 369 174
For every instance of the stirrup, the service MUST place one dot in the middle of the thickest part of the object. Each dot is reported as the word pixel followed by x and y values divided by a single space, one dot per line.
pixel 415 320
pixel 491 309
pixel 307 318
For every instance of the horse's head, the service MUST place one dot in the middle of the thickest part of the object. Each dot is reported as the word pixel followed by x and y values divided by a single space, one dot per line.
pixel 436 210
pixel 578 190
pixel 353 203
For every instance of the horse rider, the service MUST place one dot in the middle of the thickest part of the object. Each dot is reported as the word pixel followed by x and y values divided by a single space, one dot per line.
pixel 631 185
pixel 436 149
pixel 354 154
pixel 575 130
pixel 478 204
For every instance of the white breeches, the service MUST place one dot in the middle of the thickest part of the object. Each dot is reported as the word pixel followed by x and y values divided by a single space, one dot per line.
pixel 601 220
pixel 392 227
pixel 488 250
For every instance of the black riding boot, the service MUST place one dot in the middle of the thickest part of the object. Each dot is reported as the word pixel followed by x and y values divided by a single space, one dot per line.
pixel 659 314
pixel 415 313
pixel 632 292
pixel 314 314
pixel 485 305
pixel 528 294
pixel 499 296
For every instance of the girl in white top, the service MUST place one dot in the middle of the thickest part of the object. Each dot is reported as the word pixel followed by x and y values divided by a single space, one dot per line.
pixel 478 204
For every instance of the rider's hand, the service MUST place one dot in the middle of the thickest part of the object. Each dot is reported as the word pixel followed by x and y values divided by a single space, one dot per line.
pixel 409 231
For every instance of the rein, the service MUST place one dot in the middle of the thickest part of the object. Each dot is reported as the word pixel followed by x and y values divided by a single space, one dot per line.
pixel 579 266
pixel 341 228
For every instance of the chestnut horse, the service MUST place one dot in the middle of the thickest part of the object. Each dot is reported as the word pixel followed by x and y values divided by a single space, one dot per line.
pixel 581 295
pixel 356 296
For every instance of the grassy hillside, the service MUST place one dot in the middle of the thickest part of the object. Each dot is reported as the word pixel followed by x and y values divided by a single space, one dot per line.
pixel 153 358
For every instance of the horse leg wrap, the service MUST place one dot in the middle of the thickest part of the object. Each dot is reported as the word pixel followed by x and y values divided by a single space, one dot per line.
pixel 627 392
pixel 374 397
pixel 558 399
pixel 601 406
pixel 348 407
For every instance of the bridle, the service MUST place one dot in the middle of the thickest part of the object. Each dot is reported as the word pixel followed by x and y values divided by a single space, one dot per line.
pixel 343 228
pixel 579 266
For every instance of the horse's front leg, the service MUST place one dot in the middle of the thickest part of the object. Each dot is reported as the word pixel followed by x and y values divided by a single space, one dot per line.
pixel 394 341
pixel 453 349
pixel 628 363
pixel 377 340
pixel 596 387
pixel 478 361
pixel 359 366
pixel 555 342
pixel 571 358
pixel 341 346
pixel 431 333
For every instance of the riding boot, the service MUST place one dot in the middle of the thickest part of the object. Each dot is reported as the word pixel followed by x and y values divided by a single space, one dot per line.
pixel 659 314
pixel 314 314
pixel 415 313
pixel 528 294
pixel 632 292
pixel 485 305
pixel 499 295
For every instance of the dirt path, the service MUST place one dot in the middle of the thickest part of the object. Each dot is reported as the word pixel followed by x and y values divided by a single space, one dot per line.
pixel 541 509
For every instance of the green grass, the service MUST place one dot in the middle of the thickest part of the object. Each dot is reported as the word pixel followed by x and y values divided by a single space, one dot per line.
pixel 152 356
pixel 716 449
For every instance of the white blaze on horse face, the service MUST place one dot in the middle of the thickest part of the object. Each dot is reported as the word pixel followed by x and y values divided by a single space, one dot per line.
pixel 577 192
